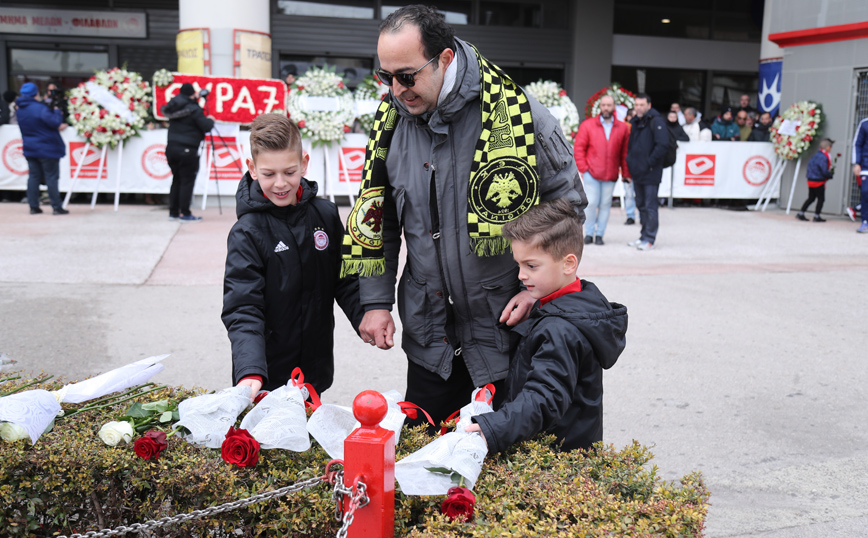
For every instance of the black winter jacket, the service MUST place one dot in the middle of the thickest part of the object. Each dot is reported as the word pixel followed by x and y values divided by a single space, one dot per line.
pixel 555 380
pixel 649 140
pixel 281 282
pixel 760 133
pixel 187 123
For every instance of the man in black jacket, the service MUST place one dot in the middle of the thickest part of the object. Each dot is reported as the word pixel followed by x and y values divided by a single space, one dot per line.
pixel 760 131
pixel 649 139
pixel 187 128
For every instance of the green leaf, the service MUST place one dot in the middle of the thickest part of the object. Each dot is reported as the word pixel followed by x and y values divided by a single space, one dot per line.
pixel 439 470
pixel 166 416
pixel 137 410
pixel 160 407
pixel 175 415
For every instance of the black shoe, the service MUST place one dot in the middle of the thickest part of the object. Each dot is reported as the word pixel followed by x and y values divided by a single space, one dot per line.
pixel 818 218
pixel 35 210
pixel 599 240
pixel 588 239
pixel 801 216
pixel 61 211
pixel 630 221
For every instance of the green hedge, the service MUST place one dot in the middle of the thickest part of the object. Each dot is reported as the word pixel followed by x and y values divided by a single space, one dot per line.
pixel 71 482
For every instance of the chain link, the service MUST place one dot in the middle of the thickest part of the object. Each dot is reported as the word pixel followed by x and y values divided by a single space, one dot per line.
pixel 357 500
pixel 196 514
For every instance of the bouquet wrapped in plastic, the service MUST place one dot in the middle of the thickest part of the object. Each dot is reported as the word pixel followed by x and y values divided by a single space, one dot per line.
pixel 279 419
pixel 432 469
pixel 208 417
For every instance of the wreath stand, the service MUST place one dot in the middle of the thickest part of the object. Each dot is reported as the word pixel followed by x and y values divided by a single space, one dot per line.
pixel 103 165
pixel 793 187
pixel 772 187
pixel 327 172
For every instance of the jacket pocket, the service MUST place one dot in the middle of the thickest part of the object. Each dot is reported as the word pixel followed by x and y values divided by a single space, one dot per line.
pixel 556 150
pixel 498 292
pixel 399 205
pixel 419 311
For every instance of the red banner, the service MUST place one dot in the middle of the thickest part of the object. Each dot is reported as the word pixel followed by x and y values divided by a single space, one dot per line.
pixel 230 100
pixel 228 160
pixel 355 161
pixel 90 161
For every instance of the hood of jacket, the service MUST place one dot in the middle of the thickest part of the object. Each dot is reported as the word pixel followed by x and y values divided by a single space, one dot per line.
pixel 179 106
pixel 249 197
pixel 25 101
pixel 603 323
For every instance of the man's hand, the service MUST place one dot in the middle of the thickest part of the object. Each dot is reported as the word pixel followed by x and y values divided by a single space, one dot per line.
pixel 254 385
pixel 378 329
pixel 517 309
pixel 63 126
pixel 475 428
pixel 857 169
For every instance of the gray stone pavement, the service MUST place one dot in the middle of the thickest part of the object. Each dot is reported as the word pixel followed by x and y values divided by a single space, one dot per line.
pixel 745 351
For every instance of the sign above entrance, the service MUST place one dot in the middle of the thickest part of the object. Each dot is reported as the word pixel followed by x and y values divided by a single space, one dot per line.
pixel 75 23
pixel 230 100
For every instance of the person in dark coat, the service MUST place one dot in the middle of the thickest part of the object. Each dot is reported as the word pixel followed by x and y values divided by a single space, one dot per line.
pixel 555 380
pixel 282 267
pixel 675 128
pixel 43 147
pixel 820 170
pixel 187 129
pixel 649 140
pixel 760 131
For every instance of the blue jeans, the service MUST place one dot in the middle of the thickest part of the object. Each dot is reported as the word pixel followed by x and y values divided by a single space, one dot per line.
pixel 646 201
pixel 599 195
pixel 43 169
pixel 630 200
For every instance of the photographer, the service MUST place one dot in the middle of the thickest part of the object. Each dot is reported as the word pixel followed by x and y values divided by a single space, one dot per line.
pixel 187 128
pixel 43 146
pixel 55 97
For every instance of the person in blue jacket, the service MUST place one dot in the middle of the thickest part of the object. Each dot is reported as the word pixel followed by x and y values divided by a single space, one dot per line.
pixel 43 147
pixel 820 170
pixel 724 128
pixel 860 168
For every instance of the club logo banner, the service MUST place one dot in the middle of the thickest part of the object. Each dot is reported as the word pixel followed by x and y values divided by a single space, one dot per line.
pixel 230 100
pixel 769 96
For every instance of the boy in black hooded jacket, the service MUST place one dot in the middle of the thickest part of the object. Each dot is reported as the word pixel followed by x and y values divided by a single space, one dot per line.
pixel 555 379
pixel 282 267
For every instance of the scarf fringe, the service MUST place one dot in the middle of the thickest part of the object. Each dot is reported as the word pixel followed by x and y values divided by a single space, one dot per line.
pixel 364 268
pixel 489 246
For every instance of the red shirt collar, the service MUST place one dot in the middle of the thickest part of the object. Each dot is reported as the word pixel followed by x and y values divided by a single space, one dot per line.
pixel 829 157
pixel 572 288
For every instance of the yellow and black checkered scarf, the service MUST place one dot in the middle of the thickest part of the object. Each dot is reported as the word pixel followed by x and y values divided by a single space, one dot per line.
pixel 503 179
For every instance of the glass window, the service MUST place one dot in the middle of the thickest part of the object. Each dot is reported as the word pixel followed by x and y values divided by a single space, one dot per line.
pixel 353 70
pixel 523 14
pixel 56 62
pixel 665 86
pixel 725 20
pixel 525 75
pixel 456 12
pixel 726 89
pixel 345 9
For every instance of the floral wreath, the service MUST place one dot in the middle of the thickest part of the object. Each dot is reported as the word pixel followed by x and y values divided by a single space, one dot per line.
pixel 550 94
pixel 321 126
pixel 807 116
pixel 618 93
pixel 121 91
pixel 370 89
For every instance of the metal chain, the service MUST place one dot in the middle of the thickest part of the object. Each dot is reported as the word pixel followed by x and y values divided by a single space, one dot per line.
pixel 357 500
pixel 196 514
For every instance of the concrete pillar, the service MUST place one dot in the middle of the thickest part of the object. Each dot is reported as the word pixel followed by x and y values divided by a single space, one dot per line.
pixel 221 17
pixel 591 69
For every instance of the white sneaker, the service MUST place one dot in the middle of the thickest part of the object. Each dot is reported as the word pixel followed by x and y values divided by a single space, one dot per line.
pixel 851 213
pixel 635 243
pixel 645 246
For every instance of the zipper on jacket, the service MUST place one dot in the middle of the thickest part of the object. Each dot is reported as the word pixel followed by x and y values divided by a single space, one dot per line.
pixel 451 335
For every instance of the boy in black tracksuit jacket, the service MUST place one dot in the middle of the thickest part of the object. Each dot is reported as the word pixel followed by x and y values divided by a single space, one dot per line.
pixel 820 170
pixel 555 380
pixel 282 267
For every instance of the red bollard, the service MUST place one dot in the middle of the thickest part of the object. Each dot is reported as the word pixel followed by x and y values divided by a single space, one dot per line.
pixel 369 455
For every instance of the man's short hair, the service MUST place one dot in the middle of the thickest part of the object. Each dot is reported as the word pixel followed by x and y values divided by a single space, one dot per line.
pixel 751 115
pixel 274 132
pixel 690 110
pixel 826 143
pixel 437 36
pixel 552 226
pixel 643 95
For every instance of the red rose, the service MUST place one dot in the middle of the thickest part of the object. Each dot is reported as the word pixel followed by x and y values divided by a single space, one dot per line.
pixel 811 112
pixel 347 128
pixel 239 448
pixel 459 504
pixel 260 396
pixel 562 93
pixel 340 84
pixel 301 87
pixel 808 138
pixel 301 124
pixel 150 445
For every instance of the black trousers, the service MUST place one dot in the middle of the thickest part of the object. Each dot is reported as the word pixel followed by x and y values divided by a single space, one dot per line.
pixel 818 194
pixel 442 397
pixel 184 163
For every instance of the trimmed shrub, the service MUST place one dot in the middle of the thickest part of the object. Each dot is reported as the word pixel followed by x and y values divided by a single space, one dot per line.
pixel 70 481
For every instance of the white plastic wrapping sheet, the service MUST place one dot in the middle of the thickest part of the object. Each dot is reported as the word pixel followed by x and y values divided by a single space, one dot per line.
pixel 209 416
pixel 459 451
pixel 279 419
pixel 33 410
pixel 115 380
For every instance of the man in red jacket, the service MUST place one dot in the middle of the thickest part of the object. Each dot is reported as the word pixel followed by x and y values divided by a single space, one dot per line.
pixel 600 151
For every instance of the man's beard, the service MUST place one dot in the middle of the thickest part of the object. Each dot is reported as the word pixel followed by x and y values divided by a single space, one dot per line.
pixel 606 116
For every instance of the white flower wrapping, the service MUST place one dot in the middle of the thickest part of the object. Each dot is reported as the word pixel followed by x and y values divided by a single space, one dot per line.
pixel 807 116
pixel 10 432
pixel 100 126
pixel 209 416
pixel 279 419
pixel 551 95
pixel 114 432
pixel 32 410
pixel 321 126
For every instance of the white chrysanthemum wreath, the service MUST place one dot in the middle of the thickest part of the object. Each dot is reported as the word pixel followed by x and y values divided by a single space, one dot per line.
pixel 620 95
pixel 321 126
pixel 806 117
pixel 110 107
pixel 370 89
pixel 550 94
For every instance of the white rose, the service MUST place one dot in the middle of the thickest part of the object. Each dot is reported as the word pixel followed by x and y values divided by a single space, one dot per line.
pixel 112 433
pixel 12 432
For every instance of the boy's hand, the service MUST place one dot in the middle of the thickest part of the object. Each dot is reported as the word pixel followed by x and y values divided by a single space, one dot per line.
pixel 517 309
pixel 857 169
pixel 254 385
pixel 475 428
pixel 378 329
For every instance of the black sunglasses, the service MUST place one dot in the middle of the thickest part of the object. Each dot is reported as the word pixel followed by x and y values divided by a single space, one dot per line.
pixel 407 80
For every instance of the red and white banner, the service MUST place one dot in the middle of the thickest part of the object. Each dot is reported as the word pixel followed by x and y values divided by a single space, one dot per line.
pixel 230 100
pixel 89 162
pixel 14 162
pixel 228 159
pixel 351 166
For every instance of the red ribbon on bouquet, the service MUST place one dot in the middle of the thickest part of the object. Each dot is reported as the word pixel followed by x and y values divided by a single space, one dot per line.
pixel 297 378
